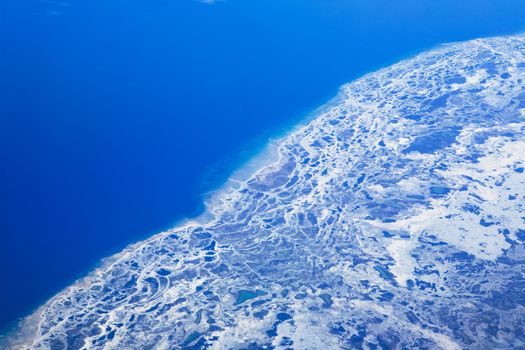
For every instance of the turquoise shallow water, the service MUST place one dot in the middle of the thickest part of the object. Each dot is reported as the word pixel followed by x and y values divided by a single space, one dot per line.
pixel 117 115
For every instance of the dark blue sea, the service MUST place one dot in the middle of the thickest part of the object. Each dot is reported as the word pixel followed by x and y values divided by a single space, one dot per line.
pixel 116 116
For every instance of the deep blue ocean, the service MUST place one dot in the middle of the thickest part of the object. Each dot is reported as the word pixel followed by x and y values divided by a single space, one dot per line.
pixel 117 115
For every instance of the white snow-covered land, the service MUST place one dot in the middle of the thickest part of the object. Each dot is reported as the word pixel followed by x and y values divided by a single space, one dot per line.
pixel 395 219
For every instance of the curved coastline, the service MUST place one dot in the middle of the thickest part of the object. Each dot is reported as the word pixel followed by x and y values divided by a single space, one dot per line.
pixel 27 326
pixel 257 164
pixel 269 155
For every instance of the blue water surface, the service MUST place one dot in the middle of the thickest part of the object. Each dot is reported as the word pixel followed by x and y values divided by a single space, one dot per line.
pixel 117 115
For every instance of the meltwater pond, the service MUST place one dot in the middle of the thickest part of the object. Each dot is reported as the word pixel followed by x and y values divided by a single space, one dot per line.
pixel 352 239
pixel 117 115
